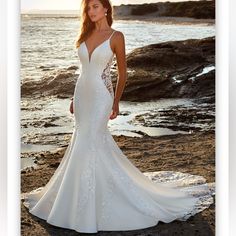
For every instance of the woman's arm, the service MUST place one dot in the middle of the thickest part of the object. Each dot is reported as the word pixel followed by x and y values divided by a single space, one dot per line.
pixel 119 48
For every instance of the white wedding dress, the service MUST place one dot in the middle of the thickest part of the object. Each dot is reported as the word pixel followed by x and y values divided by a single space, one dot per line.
pixel 96 187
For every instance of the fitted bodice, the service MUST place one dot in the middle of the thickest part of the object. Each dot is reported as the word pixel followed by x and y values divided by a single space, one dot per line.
pixel 100 58
pixel 98 64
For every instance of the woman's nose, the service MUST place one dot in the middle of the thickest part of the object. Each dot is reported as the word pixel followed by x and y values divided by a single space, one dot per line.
pixel 90 11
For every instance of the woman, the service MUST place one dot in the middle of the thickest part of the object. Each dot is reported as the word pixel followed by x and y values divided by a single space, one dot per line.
pixel 96 22
pixel 96 187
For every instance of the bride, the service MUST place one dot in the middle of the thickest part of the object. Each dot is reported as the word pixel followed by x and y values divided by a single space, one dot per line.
pixel 96 187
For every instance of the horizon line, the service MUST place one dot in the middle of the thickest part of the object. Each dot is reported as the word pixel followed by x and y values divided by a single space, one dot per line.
pixel 31 10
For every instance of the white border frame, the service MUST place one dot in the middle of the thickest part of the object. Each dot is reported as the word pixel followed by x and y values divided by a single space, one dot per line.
pixel 13 114
pixel 222 50
pixel 232 118
pixel 3 119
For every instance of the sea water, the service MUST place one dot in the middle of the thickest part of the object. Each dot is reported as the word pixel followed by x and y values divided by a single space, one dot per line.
pixel 48 43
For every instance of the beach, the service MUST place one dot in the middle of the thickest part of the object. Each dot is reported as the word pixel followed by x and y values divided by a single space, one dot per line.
pixel 187 153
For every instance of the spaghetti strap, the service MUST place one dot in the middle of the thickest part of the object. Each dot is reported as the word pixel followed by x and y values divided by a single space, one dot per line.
pixel 112 34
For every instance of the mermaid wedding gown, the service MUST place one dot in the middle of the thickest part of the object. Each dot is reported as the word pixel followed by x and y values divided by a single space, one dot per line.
pixel 96 187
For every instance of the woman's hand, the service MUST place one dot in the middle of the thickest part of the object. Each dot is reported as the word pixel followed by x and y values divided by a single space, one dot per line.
pixel 71 107
pixel 115 110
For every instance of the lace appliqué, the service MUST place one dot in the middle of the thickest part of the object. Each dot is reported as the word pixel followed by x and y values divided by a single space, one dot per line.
pixel 144 206
pixel 106 202
pixel 203 198
pixel 121 179
pixel 106 77
pixel 192 185
pixel 87 189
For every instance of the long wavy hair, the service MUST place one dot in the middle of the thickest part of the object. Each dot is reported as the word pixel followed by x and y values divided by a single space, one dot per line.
pixel 86 25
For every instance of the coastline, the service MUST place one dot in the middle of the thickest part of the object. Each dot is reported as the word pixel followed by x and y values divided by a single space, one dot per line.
pixel 166 19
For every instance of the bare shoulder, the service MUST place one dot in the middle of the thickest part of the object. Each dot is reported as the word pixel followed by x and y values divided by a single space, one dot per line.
pixel 118 40
pixel 118 43
pixel 119 35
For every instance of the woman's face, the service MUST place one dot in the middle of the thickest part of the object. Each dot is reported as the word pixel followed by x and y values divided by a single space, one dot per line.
pixel 96 11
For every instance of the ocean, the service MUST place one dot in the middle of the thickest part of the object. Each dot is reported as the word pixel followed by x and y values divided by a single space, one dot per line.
pixel 48 43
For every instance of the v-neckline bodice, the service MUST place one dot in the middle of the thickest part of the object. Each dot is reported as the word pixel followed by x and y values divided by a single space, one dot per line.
pixel 90 54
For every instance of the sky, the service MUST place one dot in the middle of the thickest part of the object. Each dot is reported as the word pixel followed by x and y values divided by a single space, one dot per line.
pixel 27 5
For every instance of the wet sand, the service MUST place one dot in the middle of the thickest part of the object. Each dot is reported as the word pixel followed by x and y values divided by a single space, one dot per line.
pixel 189 153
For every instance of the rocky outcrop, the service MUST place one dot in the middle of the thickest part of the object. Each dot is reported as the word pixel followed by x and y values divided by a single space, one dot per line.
pixel 192 9
pixel 174 69
pixel 60 83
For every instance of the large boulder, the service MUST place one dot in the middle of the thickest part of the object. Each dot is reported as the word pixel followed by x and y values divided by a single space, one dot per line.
pixel 60 83
pixel 174 69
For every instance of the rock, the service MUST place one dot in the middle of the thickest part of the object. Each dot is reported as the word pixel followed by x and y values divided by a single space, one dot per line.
pixel 73 68
pixel 60 83
pixel 197 117
pixel 46 125
pixel 191 9
pixel 124 113
pixel 54 165
pixel 171 70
